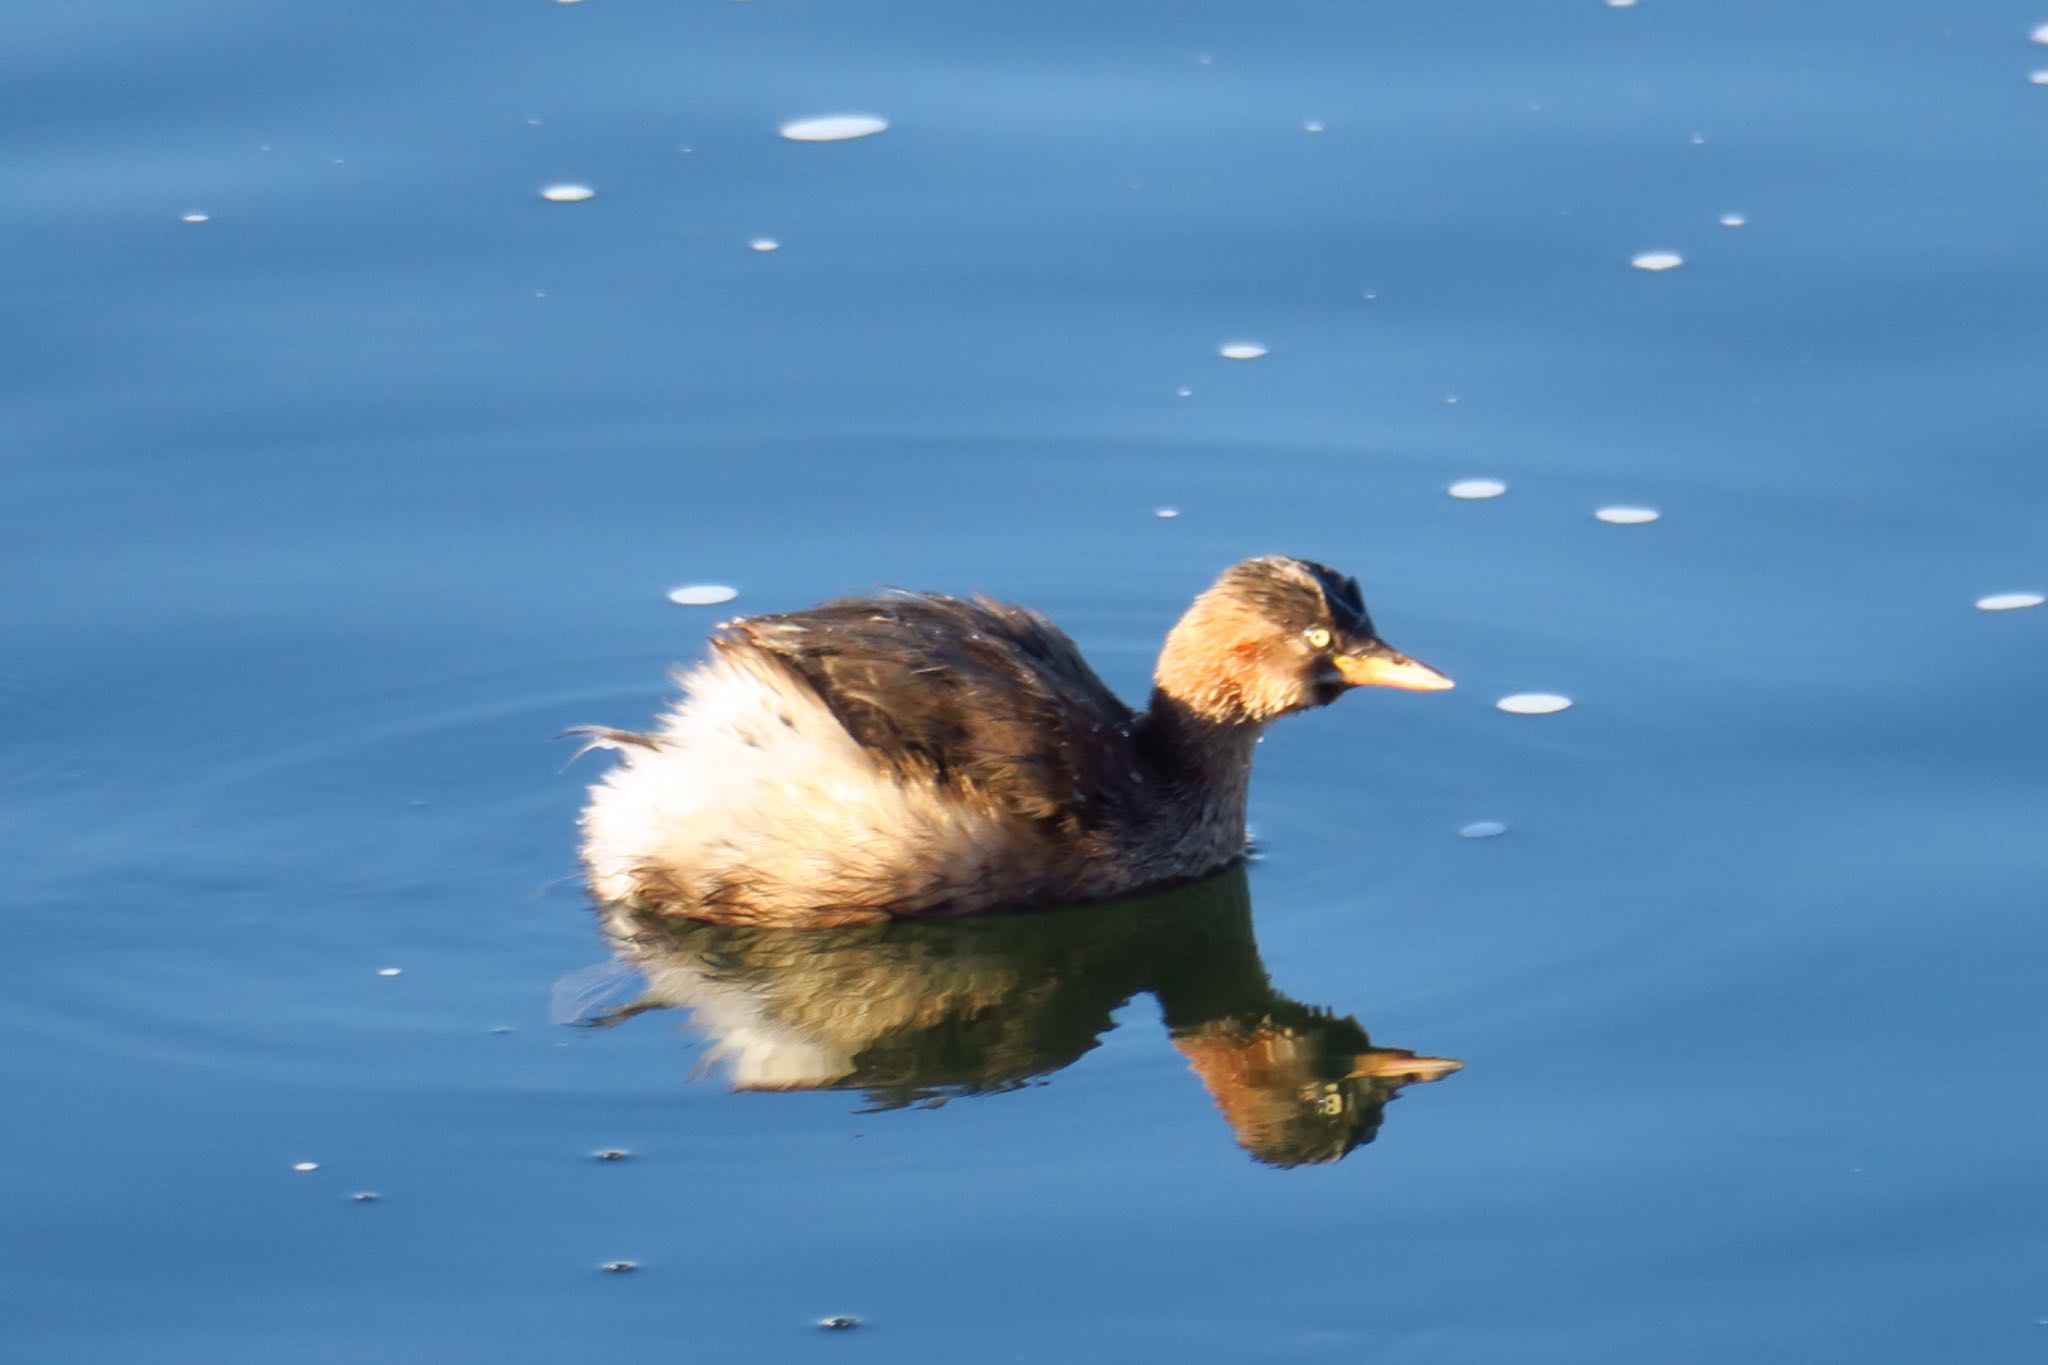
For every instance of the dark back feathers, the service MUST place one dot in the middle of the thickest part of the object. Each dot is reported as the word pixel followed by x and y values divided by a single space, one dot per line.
pixel 987 696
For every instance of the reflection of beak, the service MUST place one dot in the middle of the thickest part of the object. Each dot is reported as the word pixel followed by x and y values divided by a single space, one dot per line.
pixel 1399 1061
pixel 1378 665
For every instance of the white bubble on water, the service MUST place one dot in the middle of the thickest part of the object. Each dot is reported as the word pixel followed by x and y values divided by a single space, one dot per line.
pixel 1627 516
pixel 1166 513
pixel 764 244
pixel 1183 392
pixel 1241 350
pixel 195 217
pixel 1534 704
pixel 567 192
pixel 2038 77
pixel 2010 601
pixel 834 127
pixel 1483 829
pixel 390 971
pixel 1657 260
pixel 1474 489
pixel 1621 4
pixel 1733 220
pixel 702 594
pixel 303 1166
pixel 2039 35
pixel 1314 125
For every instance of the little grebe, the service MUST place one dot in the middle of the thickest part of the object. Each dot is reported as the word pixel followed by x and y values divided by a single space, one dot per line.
pixel 918 755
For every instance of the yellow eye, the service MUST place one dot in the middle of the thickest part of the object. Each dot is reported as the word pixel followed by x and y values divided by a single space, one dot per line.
pixel 1317 637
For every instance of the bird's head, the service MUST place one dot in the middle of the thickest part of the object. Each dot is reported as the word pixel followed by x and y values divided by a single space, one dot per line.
pixel 1276 635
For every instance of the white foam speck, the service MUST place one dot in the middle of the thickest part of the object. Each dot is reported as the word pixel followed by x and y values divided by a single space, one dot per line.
pixel 1533 704
pixel 2010 601
pixel 1621 4
pixel 1183 392
pixel 1474 489
pixel 1241 350
pixel 1733 220
pixel 1657 260
pixel 304 1166
pixel 1166 513
pixel 765 244
pixel 1314 125
pixel 567 193
pixel 195 217
pixel 833 127
pixel 1483 829
pixel 1627 516
pixel 2039 35
pixel 2038 77
pixel 389 971
pixel 702 594
pixel 1699 139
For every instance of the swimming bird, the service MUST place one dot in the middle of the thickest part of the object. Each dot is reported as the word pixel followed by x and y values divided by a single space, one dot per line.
pixel 916 755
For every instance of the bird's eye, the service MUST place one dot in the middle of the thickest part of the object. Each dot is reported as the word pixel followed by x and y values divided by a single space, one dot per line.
pixel 1317 637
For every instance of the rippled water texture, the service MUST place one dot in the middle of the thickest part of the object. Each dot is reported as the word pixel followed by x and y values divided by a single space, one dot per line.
pixel 393 386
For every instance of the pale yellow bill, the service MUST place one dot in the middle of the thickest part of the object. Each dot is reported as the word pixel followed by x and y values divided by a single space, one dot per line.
pixel 1390 670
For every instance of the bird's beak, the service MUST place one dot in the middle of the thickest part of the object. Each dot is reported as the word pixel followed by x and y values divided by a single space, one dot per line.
pixel 1399 1062
pixel 1379 665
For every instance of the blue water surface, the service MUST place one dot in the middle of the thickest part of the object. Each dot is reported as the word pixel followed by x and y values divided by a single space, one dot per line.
pixel 322 515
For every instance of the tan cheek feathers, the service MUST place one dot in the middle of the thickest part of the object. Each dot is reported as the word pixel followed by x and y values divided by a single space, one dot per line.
pixel 1220 681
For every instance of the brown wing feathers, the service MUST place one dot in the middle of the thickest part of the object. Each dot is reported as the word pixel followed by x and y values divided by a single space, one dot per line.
pixel 989 697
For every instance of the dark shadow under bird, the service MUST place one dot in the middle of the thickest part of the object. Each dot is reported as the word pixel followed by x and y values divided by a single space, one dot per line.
pixel 916 1013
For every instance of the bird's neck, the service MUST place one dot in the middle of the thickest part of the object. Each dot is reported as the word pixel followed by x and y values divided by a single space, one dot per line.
pixel 1210 760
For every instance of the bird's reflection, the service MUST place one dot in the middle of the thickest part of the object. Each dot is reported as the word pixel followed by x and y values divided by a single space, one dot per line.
pixel 915 1013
